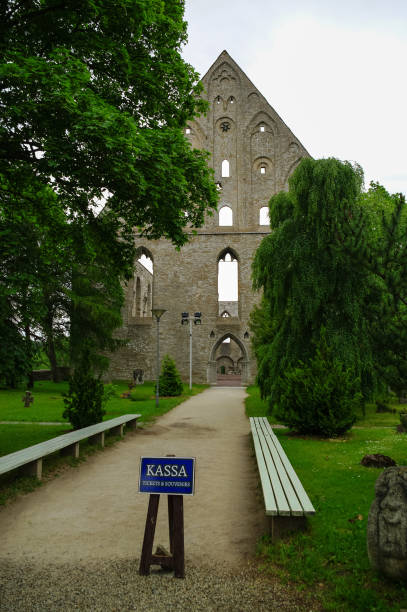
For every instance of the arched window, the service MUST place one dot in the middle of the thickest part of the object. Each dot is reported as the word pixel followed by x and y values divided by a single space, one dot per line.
pixel 264 218
pixel 225 169
pixel 225 314
pixel 228 277
pixel 147 262
pixel 225 216
pixel 143 284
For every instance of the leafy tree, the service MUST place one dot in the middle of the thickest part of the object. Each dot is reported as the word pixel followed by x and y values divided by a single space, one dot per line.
pixel 93 100
pixel 170 380
pixel 14 360
pixel 309 281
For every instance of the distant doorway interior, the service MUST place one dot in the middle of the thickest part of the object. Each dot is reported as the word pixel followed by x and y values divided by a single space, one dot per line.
pixel 228 362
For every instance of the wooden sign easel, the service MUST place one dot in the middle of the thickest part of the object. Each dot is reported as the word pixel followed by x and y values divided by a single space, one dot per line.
pixel 175 560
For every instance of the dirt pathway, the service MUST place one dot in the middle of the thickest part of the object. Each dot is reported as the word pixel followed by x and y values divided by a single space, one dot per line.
pixel 95 512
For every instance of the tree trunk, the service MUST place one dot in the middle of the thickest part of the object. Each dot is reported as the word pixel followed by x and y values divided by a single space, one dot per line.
pixel 51 354
pixel 30 375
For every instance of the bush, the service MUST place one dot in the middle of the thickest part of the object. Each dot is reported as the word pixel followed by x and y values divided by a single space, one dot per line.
pixel 85 398
pixel 170 380
pixel 320 396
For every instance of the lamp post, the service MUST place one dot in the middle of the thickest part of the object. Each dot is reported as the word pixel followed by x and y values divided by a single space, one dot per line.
pixel 185 320
pixel 158 313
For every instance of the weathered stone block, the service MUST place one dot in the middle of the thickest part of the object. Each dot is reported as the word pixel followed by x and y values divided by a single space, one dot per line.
pixel 387 524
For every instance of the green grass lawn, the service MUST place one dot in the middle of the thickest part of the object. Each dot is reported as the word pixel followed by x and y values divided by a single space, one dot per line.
pixel 16 437
pixel 48 403
pixel 330 559
pixel 48 406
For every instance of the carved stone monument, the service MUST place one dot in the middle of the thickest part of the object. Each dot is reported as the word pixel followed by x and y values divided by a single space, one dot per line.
pixel 387 524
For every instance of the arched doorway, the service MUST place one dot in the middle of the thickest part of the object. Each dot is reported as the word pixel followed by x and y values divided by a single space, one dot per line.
pixel 228 361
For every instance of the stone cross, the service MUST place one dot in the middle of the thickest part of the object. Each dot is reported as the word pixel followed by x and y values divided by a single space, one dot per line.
pixel 27 399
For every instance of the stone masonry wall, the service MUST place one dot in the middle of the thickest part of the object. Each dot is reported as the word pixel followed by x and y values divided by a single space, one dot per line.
pixel 240 128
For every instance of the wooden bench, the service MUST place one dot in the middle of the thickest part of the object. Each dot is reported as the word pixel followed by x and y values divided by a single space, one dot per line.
pixel 30 458
pixel 285 499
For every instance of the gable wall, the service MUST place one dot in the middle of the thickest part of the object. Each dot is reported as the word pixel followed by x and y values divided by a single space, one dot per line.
pixel 187 280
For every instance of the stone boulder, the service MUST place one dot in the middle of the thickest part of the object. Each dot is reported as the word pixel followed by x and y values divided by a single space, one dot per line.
pixel 377 460
pixel 387 524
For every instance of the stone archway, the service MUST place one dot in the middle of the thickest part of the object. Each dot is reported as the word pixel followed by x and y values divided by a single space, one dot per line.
pixel 243 361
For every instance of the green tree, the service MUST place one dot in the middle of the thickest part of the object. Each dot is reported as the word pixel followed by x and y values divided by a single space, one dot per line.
pixel 377 242
pixel 93 102
pixel 170 380
pixel 309 282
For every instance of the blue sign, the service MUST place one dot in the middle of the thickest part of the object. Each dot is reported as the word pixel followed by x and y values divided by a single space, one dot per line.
pixel 170 475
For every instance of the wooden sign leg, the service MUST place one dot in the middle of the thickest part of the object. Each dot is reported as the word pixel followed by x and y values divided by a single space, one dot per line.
pixel 177 537
pixel 171 521
pixel 147 551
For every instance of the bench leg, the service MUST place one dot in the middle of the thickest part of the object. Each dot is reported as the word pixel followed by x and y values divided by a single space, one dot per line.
pixel 72 450
pixel 279 525
pixel 34 468
pixel 132 424
pixel 117 431
pixel 97 439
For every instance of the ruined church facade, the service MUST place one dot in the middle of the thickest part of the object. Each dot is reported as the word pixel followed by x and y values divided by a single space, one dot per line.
pixel 253 153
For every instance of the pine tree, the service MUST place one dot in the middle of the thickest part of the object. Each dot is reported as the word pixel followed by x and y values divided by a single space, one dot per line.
pixel 170 380
pixel 84 400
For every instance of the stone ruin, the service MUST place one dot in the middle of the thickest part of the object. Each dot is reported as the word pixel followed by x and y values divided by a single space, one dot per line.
pixel 387 524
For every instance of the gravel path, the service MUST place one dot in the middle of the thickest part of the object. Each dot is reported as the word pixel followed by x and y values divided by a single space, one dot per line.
pixel 74 543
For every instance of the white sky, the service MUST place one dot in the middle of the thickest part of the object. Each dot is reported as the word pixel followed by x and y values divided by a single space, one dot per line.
pixel 334 70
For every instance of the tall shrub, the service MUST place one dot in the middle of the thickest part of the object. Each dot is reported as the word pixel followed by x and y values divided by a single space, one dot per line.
pixel 320 396
pixel 84 400
pixel 170 380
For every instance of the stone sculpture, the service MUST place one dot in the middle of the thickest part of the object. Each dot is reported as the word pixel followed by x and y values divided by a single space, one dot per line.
pixel 387 524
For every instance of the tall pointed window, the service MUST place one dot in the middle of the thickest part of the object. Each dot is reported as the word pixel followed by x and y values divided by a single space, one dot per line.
pixel 225 168
pixel 142 286
pixel 227 277
pixel 264 218
pixel 225 216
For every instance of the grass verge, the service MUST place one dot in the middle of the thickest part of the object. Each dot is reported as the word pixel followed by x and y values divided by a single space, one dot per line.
pixel 330 559
pixel 48 406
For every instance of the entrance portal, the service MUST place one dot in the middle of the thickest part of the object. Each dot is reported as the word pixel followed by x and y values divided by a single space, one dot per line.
pixel 228 362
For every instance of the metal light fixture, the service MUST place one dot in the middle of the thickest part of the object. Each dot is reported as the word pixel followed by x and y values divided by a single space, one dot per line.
pixel 197 318
pixel 158 312
pixel 184 318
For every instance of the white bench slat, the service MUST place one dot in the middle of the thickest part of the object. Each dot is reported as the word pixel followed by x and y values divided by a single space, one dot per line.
pixel 300 491
pixel 294 503
pixel 268 495
pixel 283 507
pixel 37 451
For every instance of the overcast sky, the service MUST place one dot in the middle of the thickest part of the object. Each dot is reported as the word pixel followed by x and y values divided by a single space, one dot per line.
pixel 334 70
